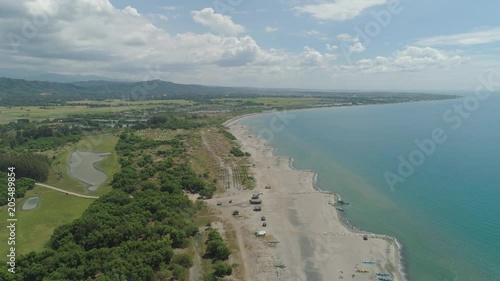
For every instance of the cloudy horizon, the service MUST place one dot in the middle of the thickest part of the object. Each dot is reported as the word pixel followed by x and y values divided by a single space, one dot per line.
pixel 343 44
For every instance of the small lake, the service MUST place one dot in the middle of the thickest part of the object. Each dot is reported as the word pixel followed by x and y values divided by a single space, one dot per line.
pixel 30 203
pixel 82 166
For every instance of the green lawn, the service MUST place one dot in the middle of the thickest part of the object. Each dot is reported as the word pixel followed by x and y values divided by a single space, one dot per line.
pixel 35 227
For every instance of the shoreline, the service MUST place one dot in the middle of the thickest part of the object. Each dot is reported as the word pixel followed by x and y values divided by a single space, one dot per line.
pixel 400 272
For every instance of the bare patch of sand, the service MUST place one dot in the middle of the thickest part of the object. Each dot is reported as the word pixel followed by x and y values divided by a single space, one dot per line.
pixel 314 244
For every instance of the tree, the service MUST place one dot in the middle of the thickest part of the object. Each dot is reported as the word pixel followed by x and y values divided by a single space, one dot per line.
pixel 183 259
pixel 218 250
pixel 222 269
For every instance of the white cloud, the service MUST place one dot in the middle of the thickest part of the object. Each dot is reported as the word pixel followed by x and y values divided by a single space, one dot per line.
pixel 162 17
pixel 312 32
pixel 351 43
pixel 94 37
pixel 116 43
pixel 170 8
pixel 271 29
pixel 217 22
pixel 357 48
pixel 313 59
pixel 331 48
pixel 238 52
pixel 483 36
pixel 316 34
pixel 131 11
pixel 344 37
pixel 340 10
pixel 411 58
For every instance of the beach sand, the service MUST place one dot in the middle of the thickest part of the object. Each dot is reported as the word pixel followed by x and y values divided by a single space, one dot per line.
pixel 314 243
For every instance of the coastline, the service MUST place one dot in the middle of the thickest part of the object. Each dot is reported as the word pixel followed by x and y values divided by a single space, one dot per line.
pixel 344 228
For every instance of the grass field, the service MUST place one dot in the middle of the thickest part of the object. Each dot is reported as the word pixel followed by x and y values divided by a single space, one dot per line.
pixel 36 113
pixel 34 227
pixel 116 102
pixel 272 102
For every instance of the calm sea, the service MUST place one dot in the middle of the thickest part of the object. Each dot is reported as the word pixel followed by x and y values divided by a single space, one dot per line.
pixel 444 209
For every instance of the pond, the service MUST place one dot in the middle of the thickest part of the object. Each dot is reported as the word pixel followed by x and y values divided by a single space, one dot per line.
pixel 82 165
pixel 30 203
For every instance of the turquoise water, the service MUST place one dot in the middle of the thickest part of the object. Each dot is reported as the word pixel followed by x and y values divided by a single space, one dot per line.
pixel 446 214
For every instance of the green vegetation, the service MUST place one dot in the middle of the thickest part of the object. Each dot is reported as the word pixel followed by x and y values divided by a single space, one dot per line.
pixel 228 135
pixel 130 231
pixel 222 269
pixel 218 251
pixel 26 136
pixel 27 165
pixel 161 148
pixel 22 185
pixel 35 227
pixel 100 143
pixel 236 151
pixel 241 175
pixel 173 123
pixel 17 92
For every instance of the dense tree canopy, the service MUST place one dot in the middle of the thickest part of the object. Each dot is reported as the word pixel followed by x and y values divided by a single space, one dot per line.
pixel 28 165
pixel 22 185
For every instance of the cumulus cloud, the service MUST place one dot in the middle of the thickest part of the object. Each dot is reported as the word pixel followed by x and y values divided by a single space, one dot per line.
pixel 313 58
pixel 331 48
pixel 411 58
pixel 350 43
pixel 483 36
pixel 95 38
pixel 357 48
pixel 217 22
pixel 131 11
pixel 339 10
pixel 238 52
pixel 344 37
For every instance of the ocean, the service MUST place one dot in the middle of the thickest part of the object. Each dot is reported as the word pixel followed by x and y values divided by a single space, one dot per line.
pixel 425 173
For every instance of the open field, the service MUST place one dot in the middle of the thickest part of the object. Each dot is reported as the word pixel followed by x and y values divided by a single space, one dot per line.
pixel 38 113
pixel 34 227
pixel 271 102
pixel 116 102
pixel 60 178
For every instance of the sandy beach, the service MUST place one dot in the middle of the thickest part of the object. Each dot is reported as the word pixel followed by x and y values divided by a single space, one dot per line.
pixel 314 243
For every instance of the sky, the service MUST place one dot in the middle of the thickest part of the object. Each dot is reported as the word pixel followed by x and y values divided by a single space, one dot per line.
pixel 394 45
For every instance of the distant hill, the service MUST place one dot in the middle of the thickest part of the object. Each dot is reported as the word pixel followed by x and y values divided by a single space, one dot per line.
pixel 19 92
pixel 25 92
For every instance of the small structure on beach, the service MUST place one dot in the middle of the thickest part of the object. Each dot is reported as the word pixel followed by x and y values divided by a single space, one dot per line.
pixel 260 233
pixel 256 201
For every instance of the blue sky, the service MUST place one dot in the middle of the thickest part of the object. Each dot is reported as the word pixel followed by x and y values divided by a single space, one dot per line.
pixel 338 44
